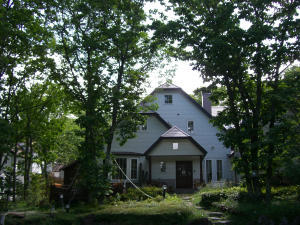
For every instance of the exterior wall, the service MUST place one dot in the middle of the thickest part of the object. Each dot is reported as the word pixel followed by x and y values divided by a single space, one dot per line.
pixel 144 138
pixel 179 113
pixel 169 176
pixel 128 167
pixel 165 147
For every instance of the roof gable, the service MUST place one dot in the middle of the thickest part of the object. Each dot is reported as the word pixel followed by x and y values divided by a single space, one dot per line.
pixel 175 133
pixel 168 86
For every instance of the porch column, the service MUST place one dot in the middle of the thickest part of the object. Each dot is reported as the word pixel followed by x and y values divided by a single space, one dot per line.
pixel 150 174
pixel 201 172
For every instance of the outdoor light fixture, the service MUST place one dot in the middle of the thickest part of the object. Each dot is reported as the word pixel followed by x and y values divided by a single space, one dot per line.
pixel 162 166
pixel 61 196
pixel 164 188
pixel 67 208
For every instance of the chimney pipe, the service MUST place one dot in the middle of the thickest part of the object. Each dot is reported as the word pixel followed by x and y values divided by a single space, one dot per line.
pixel 206 103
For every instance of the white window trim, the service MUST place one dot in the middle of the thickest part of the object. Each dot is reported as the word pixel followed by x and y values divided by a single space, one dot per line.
pixel 128 168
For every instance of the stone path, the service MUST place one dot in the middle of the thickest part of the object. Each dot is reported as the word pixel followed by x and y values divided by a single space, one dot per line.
pixel 216 218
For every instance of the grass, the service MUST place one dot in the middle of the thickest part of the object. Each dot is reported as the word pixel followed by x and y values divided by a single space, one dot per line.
pixel 172 210
pixel 234 202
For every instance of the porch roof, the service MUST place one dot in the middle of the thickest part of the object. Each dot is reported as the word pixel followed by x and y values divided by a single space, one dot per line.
pixel 176 134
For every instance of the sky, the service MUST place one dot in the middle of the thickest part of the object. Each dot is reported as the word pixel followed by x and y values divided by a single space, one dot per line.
pixel 184 77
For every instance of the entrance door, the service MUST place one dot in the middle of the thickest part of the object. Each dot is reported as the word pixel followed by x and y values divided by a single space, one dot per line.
pixel 184 174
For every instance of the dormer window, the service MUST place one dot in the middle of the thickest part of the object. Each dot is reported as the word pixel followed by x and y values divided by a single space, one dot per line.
pixel 190 126
pixel 168 99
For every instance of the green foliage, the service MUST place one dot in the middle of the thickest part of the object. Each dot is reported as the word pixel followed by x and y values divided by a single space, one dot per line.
pixel 134 194
pixel 37 192
pixel 172 210
pixel 248 62
pixel 234 193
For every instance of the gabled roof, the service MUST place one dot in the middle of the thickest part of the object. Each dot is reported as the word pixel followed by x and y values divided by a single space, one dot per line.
pixel 152 113
pixel 168 86
pixel 175 133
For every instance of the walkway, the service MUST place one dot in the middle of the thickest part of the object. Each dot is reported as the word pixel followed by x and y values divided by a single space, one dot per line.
pixel 214 218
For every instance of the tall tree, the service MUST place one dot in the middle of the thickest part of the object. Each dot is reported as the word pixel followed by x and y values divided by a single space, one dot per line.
pixel 244 46
pixel 105 54
pixel 23 54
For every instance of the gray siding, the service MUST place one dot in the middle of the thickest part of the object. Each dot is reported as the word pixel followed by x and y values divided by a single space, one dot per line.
pixel 179 113
pixel 143 139
pixel 165 147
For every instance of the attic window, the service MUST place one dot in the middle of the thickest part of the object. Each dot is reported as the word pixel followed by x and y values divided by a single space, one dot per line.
pixel 175 146
pixel 190 126
pixel 144 126
pixel 168 99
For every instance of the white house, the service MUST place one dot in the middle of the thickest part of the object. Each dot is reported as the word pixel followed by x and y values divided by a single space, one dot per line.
pixel 177 146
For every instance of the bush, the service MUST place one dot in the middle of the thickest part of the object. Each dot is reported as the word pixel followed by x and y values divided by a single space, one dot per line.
pixel 134 194
pixel 37 193
pixel 286 191
pixel 217 195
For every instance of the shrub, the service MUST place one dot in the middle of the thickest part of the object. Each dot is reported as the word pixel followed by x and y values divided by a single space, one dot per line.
pixel 37 194
pixel 217 195
pixel 285 191
pixel 134 194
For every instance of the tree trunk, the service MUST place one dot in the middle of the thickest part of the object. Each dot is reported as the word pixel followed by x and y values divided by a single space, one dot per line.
pixel 25 185
pixel 115 101
pixel 45 174
pixel 14 172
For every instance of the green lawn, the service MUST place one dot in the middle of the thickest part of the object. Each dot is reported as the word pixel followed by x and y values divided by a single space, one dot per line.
pixel 172 210
pixel 234 202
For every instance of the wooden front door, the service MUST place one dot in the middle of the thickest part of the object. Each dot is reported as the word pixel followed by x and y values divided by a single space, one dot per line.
pixel 184 174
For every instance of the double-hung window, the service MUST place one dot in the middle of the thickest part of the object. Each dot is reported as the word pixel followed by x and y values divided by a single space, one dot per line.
pixel 208 171
pixel 122 162
pixel 219 170
pixel 133 169
pixel 190 126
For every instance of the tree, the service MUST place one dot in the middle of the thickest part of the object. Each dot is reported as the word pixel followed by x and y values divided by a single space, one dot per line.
pixel 105 55
pixel 24 43
pixel 285 135
pixel 245 60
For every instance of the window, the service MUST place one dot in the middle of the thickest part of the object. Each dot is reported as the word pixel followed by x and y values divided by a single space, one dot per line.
pixel 219 170
pixel 208 171
pixel 162 166
pixel 175 146
pixel 144 126
pixel 133 168
pixel 168 99
pixel 123 164
pixel 190 126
